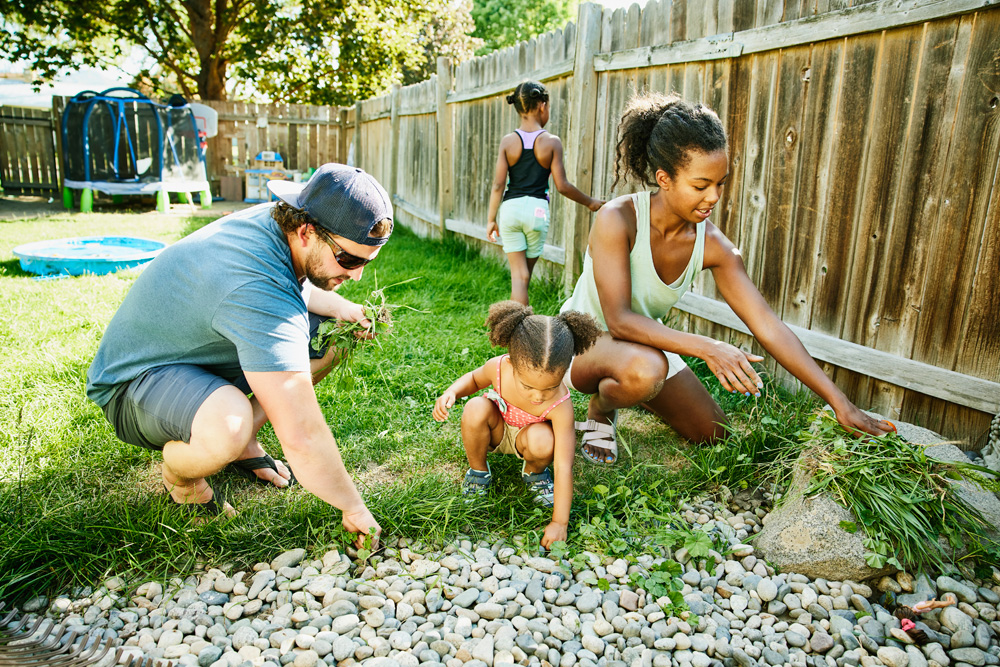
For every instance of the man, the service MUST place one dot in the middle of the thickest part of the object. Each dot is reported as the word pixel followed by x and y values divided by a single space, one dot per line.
pixel 229 311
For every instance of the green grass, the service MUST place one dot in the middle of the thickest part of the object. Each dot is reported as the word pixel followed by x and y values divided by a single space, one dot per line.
pixel 77 505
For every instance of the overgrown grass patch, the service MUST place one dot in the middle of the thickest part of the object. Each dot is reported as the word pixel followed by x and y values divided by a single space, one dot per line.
pixel 77 505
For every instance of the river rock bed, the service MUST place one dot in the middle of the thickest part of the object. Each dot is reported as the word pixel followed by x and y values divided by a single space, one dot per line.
pixel 497 605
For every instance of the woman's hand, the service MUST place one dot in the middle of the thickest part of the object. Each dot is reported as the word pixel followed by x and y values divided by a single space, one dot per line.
pixel 441 405
pixel 595 204
pixel 858 422
pixel 492 231
pixel 731 366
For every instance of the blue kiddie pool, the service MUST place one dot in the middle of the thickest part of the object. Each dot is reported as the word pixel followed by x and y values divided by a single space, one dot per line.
pixel 96 255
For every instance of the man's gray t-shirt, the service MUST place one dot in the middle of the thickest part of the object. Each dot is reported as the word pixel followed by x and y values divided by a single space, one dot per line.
pixel 225 298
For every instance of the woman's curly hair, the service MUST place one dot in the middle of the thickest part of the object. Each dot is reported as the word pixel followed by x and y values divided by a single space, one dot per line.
pixel 527 96
pixel 659 131
pixel 540 341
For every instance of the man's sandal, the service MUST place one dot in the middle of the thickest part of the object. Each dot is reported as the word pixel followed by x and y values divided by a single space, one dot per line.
pixel 245 468
pixel 212 508
pixel 541 485
pixel 598 434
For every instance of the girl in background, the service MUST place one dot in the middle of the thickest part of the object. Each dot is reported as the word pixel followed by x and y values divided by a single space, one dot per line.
pixel 527 156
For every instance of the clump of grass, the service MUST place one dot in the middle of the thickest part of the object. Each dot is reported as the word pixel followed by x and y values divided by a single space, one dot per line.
pixel 905 501
pixel 347 337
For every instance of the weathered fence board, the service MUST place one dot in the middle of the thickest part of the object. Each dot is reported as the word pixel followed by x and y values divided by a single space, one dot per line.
pixel 27 151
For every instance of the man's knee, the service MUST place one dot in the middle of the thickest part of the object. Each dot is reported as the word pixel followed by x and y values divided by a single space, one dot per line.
pixel 224 422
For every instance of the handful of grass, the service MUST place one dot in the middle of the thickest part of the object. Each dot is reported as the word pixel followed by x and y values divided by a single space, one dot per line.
pixel 904 500
pixel 347 337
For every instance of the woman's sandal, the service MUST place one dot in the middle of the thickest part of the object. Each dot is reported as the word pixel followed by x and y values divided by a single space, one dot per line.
pixel 245 468
pixel 598 434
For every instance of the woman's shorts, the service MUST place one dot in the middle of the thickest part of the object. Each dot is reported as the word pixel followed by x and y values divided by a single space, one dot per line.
pixel 159 406
pixel 524 225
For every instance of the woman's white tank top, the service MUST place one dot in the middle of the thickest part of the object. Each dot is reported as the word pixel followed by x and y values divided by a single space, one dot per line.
pixel 650 295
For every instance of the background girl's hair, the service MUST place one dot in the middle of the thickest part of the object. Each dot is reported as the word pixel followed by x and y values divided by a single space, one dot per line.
pixel 540 341
pixel 658 131
pixel 527 96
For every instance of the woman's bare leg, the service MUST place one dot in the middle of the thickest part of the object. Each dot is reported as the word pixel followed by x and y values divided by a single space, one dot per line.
pixel 686 405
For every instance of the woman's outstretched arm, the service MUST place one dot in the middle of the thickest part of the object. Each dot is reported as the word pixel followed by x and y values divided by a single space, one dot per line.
pixel 749 305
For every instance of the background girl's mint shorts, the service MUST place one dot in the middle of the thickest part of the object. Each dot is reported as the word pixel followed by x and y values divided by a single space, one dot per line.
pixel 524 224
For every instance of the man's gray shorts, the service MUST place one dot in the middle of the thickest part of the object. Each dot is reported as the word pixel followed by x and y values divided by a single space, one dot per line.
pixel 159 406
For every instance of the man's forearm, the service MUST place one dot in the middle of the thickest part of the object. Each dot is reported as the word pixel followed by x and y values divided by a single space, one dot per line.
pixel 325 303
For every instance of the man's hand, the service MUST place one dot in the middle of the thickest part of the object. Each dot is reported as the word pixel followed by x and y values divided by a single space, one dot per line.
pixel 554 532
pixel 441 405
pixel 360 522
pixel 355 312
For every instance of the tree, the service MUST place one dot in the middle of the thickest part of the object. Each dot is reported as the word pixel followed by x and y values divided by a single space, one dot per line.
pixel 503 23
pixel 307 51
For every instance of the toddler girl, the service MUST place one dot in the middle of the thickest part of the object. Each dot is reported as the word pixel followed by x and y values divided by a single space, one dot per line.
pixel 526 412
pixel 528 155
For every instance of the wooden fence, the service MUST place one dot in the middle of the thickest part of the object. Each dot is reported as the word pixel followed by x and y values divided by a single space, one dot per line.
pixel 28 163
pixel 306 136
pixel 864 143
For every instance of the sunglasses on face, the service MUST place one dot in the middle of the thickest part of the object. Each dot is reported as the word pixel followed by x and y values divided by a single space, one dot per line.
pixel 344 258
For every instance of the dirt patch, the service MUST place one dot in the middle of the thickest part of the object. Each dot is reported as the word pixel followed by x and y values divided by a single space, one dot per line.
pixel 20 208
pixel 26 207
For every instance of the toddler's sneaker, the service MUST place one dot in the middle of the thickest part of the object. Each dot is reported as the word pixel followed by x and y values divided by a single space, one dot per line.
pixel 476 483
pixel 541 485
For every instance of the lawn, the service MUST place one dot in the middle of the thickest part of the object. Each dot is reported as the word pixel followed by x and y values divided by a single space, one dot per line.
pixel 77 505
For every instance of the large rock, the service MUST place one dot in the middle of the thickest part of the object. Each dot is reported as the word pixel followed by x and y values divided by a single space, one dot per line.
pixel 804 534
pixel 975 496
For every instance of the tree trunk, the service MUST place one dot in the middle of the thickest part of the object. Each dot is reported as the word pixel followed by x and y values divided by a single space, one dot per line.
pixel 212 79
pixel 209 38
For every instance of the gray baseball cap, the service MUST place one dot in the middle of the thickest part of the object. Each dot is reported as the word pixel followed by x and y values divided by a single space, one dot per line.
pixel 345 201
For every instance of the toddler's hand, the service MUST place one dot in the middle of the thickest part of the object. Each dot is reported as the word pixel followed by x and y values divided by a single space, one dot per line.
pixel 441 405
pixel 554 532
pixel 492 231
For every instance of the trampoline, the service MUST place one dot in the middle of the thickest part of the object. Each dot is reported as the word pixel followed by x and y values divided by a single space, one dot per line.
pixel 120 142
pixel 95 255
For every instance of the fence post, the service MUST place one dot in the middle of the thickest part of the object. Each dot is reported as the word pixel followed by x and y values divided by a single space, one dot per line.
pixel 357 135
pixel 394 138
pixel 580 153
pixel 342 139
pixel 446 168
pixel 58 105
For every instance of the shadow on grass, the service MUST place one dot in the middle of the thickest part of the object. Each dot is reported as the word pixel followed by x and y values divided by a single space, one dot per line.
pixel 12 269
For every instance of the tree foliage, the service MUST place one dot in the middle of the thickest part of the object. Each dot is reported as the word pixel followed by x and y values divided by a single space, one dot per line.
pixel 305 51
pixel 503 23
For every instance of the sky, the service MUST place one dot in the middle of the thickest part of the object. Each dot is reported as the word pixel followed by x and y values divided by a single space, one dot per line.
pixel 16 92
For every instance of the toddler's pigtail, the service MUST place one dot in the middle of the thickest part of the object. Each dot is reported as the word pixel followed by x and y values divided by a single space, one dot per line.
pixel 503 320
pixel 583 327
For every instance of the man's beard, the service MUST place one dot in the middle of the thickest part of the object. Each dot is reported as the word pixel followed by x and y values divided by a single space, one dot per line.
pixel 322 281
